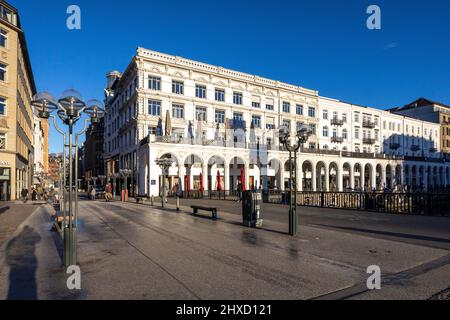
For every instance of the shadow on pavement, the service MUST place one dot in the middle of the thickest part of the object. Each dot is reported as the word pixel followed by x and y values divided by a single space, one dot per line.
pixel 22 261
pixel 387 233
pixel 4 209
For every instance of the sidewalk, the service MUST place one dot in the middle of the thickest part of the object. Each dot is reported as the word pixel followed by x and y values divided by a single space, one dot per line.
pixel 131 251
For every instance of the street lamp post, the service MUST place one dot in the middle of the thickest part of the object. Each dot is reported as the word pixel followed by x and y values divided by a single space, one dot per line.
pixel 164 164
pixel 70 109
pixel 125 173
pixel 293 145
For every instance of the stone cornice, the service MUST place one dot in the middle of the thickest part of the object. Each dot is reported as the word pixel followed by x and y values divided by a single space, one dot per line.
pixel 220 71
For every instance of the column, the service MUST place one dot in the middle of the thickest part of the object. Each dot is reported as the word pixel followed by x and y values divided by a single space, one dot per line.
pixel 361 178
pixel 265 177
pixel 327 179
pixel 205 176
pixel 401 177
pixel 281 186
pixel 181 176
pixel 352 177
pixel 226 171
pixel 374 178
pixel 383 180
pixel 313 177
pixel 340 179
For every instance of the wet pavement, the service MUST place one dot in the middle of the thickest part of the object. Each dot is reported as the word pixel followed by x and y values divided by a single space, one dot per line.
pixel 129 251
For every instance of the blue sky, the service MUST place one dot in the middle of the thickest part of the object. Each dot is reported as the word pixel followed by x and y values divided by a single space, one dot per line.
pixel 321 45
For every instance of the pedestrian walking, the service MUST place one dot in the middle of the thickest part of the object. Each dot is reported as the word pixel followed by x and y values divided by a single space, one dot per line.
pixel 24 195
pixel 239 191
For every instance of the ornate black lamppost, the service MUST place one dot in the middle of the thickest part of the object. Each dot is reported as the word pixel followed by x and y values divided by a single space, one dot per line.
pixel 164 164
pixel 293 144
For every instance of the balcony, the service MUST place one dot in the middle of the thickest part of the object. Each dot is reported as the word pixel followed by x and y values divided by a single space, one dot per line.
pixel 337 122
pixel 369 141
pixel 368 124
pixel 415 148
pixel 236 124
pixel 337 139
pixel 394 146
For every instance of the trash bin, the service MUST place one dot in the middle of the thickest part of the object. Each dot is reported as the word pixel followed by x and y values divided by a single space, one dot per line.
pixel 251 208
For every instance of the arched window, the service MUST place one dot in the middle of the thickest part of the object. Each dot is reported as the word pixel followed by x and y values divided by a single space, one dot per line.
pixel 325 131
pixel 325 147
pixel 334 133
pixel 344 149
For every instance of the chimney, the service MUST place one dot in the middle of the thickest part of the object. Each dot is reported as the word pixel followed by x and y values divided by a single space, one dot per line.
pixel 111 77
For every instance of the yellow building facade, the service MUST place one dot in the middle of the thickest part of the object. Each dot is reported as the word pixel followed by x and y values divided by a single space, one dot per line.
pixel 16 119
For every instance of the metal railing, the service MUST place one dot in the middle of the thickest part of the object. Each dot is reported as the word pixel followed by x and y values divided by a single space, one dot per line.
pixel 409 203
pixel 402 203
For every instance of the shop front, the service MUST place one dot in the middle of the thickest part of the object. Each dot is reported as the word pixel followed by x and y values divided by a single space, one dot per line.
pixel 5 184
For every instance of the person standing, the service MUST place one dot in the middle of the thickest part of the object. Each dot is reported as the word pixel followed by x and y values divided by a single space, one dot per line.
pixel 93 193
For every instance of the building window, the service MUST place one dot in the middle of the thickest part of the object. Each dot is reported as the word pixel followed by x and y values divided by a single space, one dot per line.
pixel 200 113
pixel 154 107
pixel 2 72
pixel 220 95
pixel 345 134
pixel 177 87
pixel 270 126
pixel 3 38
pixel 299 125
pixel 256 120
pixel 238 116
pixel 356 116
pixel 325 147
pixel 269 107
pixel 256 105
pixel 299 109
pixel 344 118
pixel 200 91
pixel 334 133
pixel 2 141
pixel 356 133
pixel 325 131
pixel 237 98
pixel 220 116
pixel 151 130
pixel 2 106
pixel 325 115
pixel 311 112
pixel 154 83
pixel 178 111
pixel 286 107
pixel 312 129
pixel 287 124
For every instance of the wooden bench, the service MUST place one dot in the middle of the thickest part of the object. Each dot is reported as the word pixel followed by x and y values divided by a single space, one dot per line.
pixel 210 209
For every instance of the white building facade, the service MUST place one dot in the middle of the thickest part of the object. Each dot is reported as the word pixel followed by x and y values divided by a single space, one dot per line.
pixel 219 124
pixel 38 149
